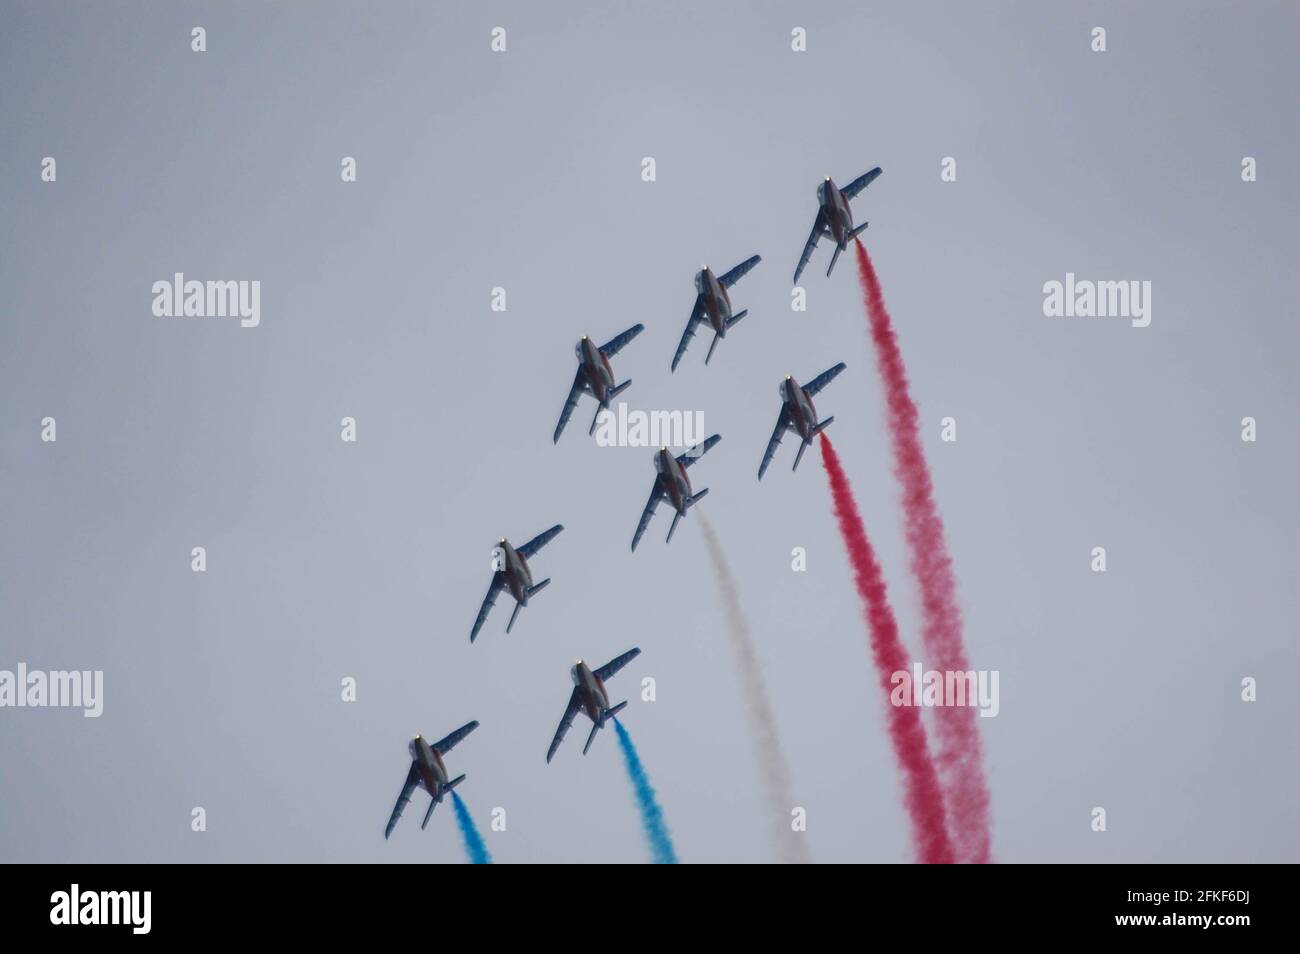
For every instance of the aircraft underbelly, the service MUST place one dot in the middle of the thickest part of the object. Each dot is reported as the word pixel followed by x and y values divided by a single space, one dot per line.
pixel 681 490
pixel 838 229
pixel 593 697
pixel 713 311
pixel 805 419
pixel 431 780
pixel 519 580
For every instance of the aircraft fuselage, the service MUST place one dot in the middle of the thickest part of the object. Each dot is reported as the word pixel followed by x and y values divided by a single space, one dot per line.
pixel 518 577
pixel 836 211
pixel 800 408
pixel 596 369
pixel 595 700
pixel 428 763
pixel 714 300
pixel 675 482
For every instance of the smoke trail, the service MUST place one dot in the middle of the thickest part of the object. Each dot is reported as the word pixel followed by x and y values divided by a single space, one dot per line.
pixel 921 794
pixel 474 846
pixel 652 818
pixel 960 761
pixel 762 720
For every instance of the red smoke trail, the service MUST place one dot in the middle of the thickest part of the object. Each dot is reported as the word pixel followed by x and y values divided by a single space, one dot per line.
pixel 921 796
pixel 960 762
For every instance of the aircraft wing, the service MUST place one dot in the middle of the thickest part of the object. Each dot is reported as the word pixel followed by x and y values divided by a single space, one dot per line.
pixel 412 780
pixel 737 273
pixel 860 183
pixel 696 314
pixel 575 703
pixel 539 541
pixel 498 581
pixel 444 746
pixel 616 343
pixel 693 454
pixel 782 422
pixel 571 402
pixel 614 665
pixel 823 379
pixel 655 494
pixel 818 230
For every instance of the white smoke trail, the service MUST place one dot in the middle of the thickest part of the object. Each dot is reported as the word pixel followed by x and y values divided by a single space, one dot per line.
pixel 775 772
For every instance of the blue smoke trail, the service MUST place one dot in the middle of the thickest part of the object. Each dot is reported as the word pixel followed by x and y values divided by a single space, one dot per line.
pixel 661 843
pixel 474 847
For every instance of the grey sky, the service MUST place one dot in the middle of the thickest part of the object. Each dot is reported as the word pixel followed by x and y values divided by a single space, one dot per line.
pixel 522 170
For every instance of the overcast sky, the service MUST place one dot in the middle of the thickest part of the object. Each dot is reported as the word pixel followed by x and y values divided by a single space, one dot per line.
pixel 522 170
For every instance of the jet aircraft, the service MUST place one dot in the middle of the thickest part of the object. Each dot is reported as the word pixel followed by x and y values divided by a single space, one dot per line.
pixel 672 484
pixel 713 304
pixel 799 415
pixel 513 574
pixel 834 218
pixel 428 770
pixel 595 377
pixel 589 695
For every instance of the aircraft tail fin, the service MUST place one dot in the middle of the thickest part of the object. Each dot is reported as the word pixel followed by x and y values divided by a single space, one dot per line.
pixel 610 713
pixel 858 231
pixel 823 425
pixel 799 456
pixel 736 317
pixel 712 345
pixel 528 594
pixel 834 258
pixel 690 502
pixel 441 792
pixel 609 396
pixel 595 727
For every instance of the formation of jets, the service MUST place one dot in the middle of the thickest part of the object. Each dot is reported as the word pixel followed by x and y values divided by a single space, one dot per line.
pixel 595 376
